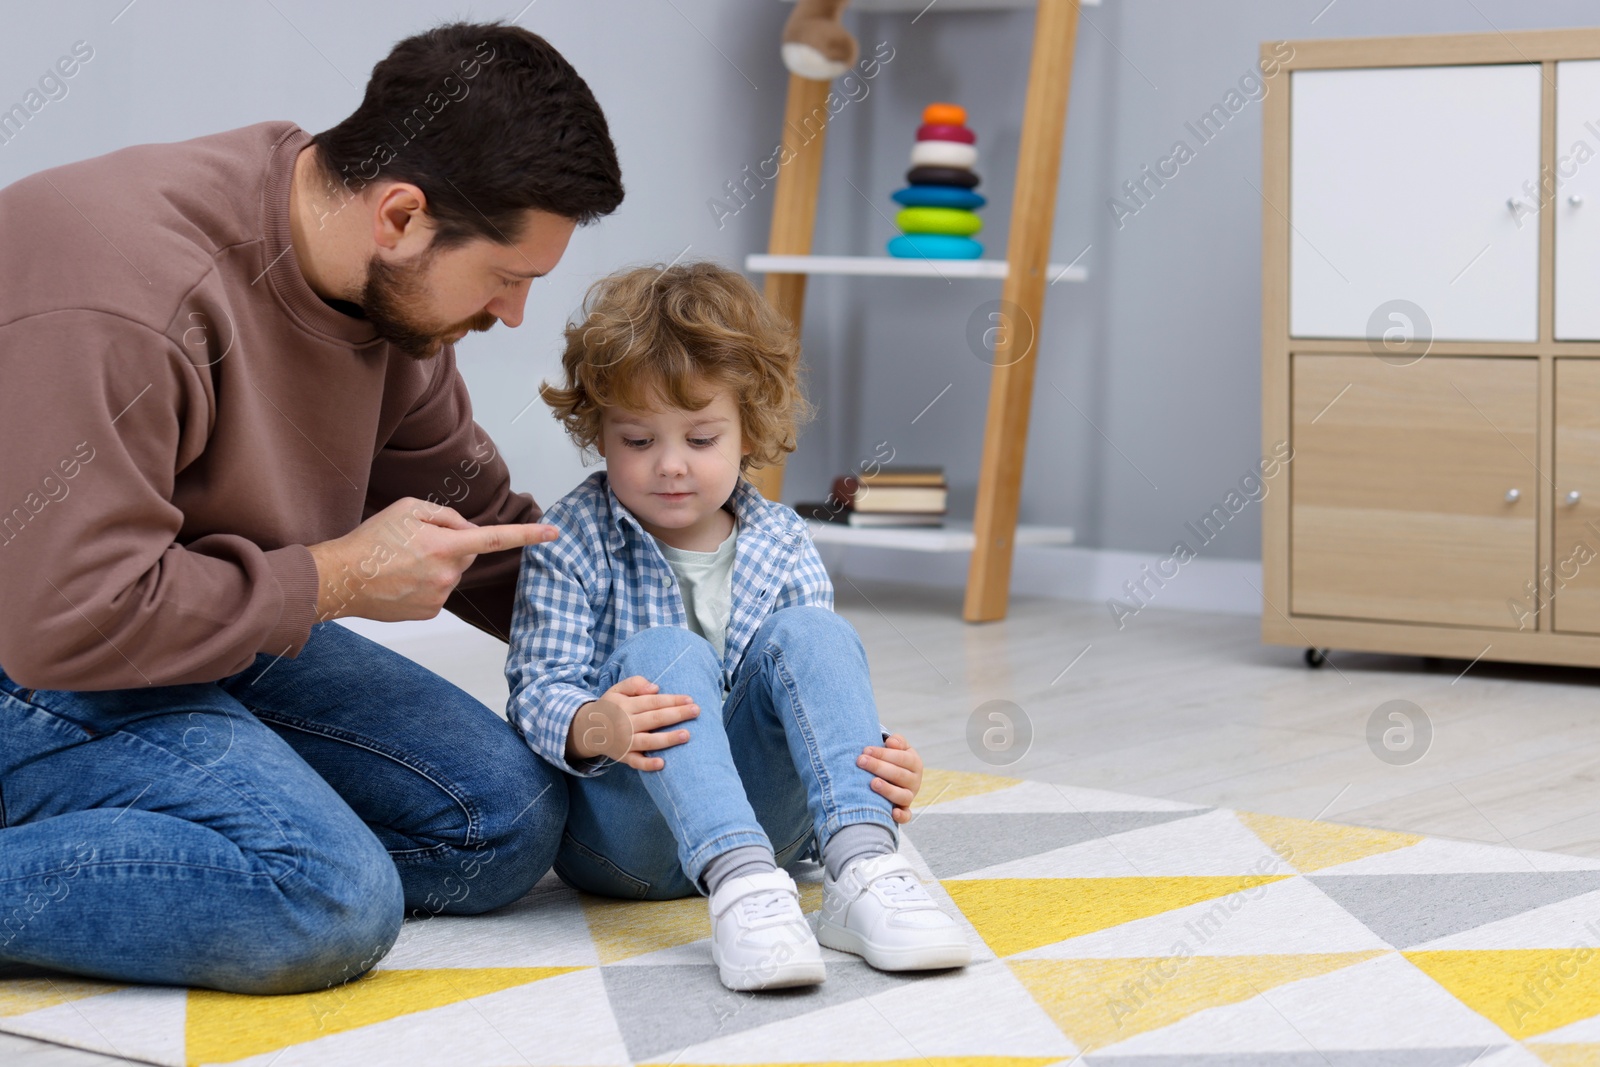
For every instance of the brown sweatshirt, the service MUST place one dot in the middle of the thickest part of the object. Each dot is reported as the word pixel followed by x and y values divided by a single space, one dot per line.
pixel 181 415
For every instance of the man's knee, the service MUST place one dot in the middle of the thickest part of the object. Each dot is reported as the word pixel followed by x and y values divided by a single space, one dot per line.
pixel 528 848
pixel 342 919
pixel 519 831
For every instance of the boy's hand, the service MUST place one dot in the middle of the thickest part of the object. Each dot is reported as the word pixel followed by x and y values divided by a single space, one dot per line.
pixel 622 722
pixel 898 771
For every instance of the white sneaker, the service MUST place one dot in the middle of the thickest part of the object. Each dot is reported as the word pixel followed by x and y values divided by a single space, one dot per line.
pixel 879 911
pixel 759 938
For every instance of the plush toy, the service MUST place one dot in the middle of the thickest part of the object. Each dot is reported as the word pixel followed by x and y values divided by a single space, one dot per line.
pixel 815 43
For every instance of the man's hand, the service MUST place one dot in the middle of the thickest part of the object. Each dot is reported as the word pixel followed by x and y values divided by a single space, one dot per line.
pixel 898 771
pixel 622 722
pixel 405 561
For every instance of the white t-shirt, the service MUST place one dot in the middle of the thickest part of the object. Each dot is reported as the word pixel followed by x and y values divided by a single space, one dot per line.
pixel 706 581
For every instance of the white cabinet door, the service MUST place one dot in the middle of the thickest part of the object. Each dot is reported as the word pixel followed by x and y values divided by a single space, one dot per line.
pixel 1577 200
pixel 1414 202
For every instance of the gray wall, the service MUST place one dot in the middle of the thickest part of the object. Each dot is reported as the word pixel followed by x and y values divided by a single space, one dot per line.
pixel 1146 406
pixel 1147 397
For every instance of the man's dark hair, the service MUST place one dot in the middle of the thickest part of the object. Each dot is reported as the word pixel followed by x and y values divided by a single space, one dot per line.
pixel 489 121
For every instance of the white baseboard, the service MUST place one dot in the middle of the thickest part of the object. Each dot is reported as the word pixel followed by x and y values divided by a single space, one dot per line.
pixel 1089 574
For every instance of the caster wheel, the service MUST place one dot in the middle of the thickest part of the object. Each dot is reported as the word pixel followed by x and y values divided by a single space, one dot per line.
pixel 1315 658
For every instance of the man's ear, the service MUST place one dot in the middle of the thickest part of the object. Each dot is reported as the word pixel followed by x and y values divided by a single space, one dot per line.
pixel 399 216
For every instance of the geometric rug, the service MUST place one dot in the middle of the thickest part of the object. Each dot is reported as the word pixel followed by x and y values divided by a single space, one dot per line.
pixel 1107 930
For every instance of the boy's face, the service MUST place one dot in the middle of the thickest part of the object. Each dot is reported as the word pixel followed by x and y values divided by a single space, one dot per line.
pixel 674 468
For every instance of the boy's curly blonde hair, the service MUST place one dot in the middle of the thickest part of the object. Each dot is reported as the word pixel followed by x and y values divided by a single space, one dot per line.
pixel 671 334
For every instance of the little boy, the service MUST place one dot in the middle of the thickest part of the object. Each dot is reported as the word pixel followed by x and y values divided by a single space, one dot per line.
pixel 683 625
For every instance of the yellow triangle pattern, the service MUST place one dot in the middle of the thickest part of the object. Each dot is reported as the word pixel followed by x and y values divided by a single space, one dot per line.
pixel 1523 991
pixel 222 1027
pixel 923 1061
pixel 22 995
pixel 1098 1002
pixel 622 929
pixel 1017 914
pixel 1095 1002
pixel 940 787
pixel 1566 1055
pixel 1311 846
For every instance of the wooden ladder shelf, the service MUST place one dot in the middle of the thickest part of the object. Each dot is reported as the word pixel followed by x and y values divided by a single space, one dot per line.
pixel 1026 271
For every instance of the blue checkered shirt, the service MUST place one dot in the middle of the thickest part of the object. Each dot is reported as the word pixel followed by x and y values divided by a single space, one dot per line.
pixel 604 579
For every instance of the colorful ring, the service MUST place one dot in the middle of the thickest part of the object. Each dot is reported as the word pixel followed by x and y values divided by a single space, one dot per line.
pixel 944 115
pixel 930 131
pixel 943 154
pixel 938 196
pixel 966 179
pixel 946 220
pixel 933 246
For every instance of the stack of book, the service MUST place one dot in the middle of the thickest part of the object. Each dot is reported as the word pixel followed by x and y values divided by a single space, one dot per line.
pixel 888 496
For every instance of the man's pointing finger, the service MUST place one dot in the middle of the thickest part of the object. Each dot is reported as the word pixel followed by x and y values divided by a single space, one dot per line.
pixel 482 539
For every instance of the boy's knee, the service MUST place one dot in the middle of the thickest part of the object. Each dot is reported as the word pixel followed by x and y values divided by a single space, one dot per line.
pixel 809 623
pixel 675 642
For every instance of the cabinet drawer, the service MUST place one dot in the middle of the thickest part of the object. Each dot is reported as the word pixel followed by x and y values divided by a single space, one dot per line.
pixel 1399 488
pixel 1415 184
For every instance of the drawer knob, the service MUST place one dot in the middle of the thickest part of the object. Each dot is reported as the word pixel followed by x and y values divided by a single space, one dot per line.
pixel 1572 497
pixel 1513 495
pixel 1575 199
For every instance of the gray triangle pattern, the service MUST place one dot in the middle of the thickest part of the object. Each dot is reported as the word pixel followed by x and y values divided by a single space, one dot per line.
pixel 663 1009
pixel 957 843
pixel 1410 909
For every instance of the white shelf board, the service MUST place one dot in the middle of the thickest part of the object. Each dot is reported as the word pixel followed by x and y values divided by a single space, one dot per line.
pixel 951 537
pixel 903 268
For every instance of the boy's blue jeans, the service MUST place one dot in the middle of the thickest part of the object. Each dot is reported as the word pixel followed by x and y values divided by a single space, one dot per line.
pixel 264 833
pixel 773 763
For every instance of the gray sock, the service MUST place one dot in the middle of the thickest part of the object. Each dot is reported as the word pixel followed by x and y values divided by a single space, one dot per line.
pixel 746 859
pixel 853 840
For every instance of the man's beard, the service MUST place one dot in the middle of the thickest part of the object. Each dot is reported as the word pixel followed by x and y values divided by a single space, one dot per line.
pixel 389 294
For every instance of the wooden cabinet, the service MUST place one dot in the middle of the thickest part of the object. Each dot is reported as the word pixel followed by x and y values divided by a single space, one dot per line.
pixel 1431 346
pixel 1411 496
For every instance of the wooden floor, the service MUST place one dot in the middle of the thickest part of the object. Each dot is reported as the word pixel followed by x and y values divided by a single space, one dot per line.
pixel 1193 707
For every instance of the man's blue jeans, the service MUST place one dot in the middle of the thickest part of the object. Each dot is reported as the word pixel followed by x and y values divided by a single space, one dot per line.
pixel 774 763
pixel 264 833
